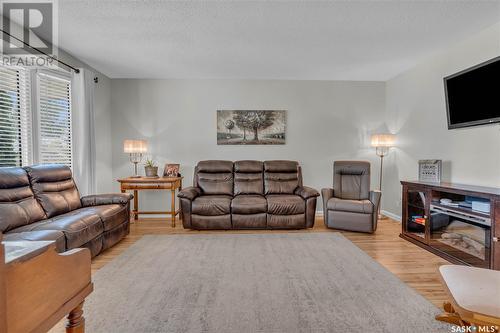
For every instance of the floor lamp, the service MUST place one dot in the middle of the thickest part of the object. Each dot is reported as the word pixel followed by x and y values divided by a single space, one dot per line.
pixel 382 143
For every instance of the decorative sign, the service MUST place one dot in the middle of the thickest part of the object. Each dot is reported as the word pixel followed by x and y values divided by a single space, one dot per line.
pixel 429 171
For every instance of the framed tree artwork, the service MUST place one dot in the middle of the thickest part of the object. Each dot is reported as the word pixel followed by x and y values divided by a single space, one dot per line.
pixel 251 127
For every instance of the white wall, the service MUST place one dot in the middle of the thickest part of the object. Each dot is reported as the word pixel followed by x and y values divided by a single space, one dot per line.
pixel 104 157
pixel 416 113
pixel 327 121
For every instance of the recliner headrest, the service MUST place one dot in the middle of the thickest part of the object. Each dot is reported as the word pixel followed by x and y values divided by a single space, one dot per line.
pixel 248 166
pixel 13 177
pixel 281 166
pixel 355 168
pixel 46 173
pixel 215 166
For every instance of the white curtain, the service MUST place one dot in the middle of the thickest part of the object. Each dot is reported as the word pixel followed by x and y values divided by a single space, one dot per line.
pixel 83 125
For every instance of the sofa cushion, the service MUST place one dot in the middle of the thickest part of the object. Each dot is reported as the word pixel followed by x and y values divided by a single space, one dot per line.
pixel 296 221
pixel 203 222
pixel 18 206
pixel 41 235
pixel 212 205
pixel 79 226
pixel 111 215
pixel 54 188
pixel 354 206
pixel 248 204
pixel 249 221
pixel 214 177
pixel 284 204
pixel 248 177
pixel 281 177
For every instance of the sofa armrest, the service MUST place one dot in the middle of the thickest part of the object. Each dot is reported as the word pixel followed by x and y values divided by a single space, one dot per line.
pixel 306 192
pixel 186 197
pixel 375 197
pixel 189 193
pixel 106 199
pixel 326 194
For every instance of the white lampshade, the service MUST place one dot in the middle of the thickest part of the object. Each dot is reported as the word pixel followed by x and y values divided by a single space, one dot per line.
pixel 135 146
pixel 383 140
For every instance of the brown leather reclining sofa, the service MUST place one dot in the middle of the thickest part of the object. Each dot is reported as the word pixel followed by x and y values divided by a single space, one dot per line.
pixel 42 203
pixel 248 195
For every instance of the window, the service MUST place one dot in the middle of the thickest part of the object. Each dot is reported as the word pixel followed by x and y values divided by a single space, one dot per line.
pixel 38 134
pixel 54 120
pixel 15 117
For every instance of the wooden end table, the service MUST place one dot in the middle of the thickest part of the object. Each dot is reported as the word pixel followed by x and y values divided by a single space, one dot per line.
pixel 137 184
pixel 39 286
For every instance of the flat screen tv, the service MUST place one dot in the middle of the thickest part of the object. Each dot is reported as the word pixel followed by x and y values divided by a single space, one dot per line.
pixel 473 95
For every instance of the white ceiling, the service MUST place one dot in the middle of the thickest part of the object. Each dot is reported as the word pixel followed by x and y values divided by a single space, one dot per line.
pixel 308 40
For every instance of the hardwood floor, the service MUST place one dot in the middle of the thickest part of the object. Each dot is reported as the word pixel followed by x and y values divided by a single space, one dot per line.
pixel 413 265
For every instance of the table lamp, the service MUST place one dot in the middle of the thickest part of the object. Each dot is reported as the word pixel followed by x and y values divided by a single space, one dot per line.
pixel 382 143
pixel 135 149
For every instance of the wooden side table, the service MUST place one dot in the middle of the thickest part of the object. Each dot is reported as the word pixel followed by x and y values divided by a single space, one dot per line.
pixel 160 183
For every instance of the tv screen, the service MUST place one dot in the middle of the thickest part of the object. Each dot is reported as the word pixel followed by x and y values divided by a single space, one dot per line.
pixel 473 95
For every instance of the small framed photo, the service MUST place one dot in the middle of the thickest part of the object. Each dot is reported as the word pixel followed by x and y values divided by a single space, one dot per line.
pixel 429 171
pixel 171 170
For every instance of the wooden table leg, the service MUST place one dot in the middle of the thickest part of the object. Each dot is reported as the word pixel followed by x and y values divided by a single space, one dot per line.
pixel 172 206
pixel 76 321
pixel 136 204
pixel 180 210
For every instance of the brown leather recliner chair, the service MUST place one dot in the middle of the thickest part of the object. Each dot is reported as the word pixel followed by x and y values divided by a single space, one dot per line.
pixel 42 202
pixel 350 205
pixel 248 195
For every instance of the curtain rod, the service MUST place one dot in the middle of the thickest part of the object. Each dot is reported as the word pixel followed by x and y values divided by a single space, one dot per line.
pixel 76 70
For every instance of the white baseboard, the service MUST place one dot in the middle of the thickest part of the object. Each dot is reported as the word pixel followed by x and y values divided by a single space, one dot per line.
pixel 319 213
pixel 391 215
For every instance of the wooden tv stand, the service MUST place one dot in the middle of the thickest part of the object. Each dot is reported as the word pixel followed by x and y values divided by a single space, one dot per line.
pixel 455 232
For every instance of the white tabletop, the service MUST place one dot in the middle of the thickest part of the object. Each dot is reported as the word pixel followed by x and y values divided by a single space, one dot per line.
pixel 473 289
pixel 23 250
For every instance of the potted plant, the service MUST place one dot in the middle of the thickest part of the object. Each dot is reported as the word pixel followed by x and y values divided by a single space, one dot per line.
pixel 151 168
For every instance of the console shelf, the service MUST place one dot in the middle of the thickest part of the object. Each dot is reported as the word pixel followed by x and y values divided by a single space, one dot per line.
pixel 458 234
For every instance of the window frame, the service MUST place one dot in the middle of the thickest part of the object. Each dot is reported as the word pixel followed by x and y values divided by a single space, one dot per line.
pixel 29 107
pixel 24 105
pixel 35 94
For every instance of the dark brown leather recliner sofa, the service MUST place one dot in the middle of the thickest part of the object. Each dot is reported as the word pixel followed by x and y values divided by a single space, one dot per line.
pixel 248 195
pixel 42 202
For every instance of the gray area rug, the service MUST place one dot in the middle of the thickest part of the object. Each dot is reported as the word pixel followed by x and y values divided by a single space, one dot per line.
pixel 314 282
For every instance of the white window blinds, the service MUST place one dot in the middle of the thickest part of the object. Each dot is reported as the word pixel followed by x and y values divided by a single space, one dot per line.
pixel 15 117
pixel 54 120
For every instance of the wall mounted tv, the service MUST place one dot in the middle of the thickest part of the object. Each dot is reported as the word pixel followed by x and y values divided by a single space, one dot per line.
pixel 473 95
